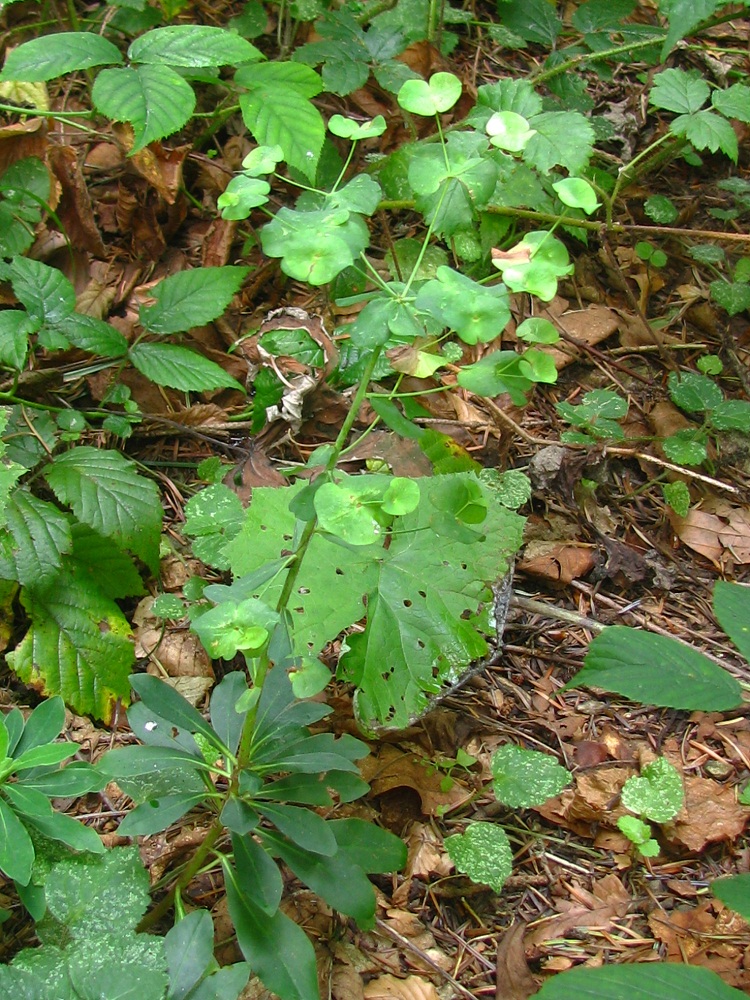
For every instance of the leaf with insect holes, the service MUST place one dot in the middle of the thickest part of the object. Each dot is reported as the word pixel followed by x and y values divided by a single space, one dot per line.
pixel 155 100
pixel 105 492
pixel 482 852
pixel 56 54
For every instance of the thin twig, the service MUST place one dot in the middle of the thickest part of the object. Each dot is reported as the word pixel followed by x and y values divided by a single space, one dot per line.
pixel 424 957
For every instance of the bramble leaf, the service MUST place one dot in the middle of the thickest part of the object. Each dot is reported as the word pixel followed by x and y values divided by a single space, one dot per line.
pixel 56 54
pixel 191 298
pixel 155 100
pixel 105 492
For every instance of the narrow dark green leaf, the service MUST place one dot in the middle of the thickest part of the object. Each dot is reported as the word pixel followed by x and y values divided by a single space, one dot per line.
pixel 43 725
pixel 189 947
pixel 68 831
pixel 16 849
pixel 309 789
pixel 156 815
pixel 368 846
pixel 27 802
pixel 128 762
pixel 239 817
pixel 342 884
pixel 228 723
pixel 163 699
pixel 77 778
pixel 15 725
pixel 302 826
pixel 51 753
pixel 275 947
pixel 258 876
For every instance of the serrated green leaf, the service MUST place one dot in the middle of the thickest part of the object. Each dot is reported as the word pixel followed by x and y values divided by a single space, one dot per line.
pixel 34 540
pixel 482 852
pixel 526 777
pixel 624 660
pixel 106 492
pixel 192 45
pixel 707 130
pixel 15 328
pixel 562 138
pixel 101 562
pixel 679 91
pixel 56 54
pixel 44 291
pixel 78 646
pixel 93 335
pixel 191 298
pixel 278 111
pixel 657 793
pixel 16 849
pixel 276 948
pixel 734 102
pixel 180 368
pixel 155 100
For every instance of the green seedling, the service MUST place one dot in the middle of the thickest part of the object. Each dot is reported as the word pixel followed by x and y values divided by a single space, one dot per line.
pixel 657 795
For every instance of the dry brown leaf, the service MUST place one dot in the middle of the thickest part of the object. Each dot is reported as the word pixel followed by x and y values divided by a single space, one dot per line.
pixel 711 812
pixel 390 988
pixel 513 978
pixel 75 210
pixel 392 767
pixel 589 326
pixel 557 561
pixel 162 168
pixel 717 530
pixel 427 855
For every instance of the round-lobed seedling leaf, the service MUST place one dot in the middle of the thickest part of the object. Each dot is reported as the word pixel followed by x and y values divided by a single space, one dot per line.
pixel 401 497
pixel 524 778
pixel 575 192
pixel 262 160
pixel 430 98
pixel 347 128
pixel 536 330
pixel 509 130
pixel 347 513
